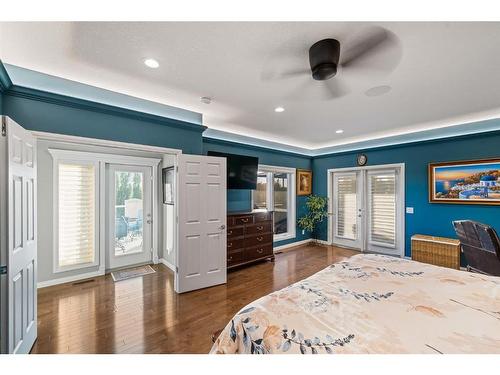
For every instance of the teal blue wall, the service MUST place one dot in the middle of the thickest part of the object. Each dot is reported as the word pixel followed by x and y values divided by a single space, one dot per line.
pixel 240 200
pixel 93 120
pixel 54 113
pixel 432 219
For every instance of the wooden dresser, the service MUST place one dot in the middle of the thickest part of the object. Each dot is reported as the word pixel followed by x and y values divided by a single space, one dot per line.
pixel 249 237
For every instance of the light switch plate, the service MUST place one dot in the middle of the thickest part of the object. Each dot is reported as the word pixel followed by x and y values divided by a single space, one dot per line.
pixel 409 210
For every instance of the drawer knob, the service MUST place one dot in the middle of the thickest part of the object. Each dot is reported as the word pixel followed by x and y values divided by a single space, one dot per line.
pixel 260 239
pixel 230 259
pixel 230 244
pixel 260 227
pixel 230 232
pixel 260 251
pixel 244 219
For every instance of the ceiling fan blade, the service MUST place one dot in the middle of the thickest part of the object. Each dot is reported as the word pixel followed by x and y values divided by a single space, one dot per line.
pixel 301 91
pixel 311 90
pixel 275 75
pixel 334 88
pixel 372 41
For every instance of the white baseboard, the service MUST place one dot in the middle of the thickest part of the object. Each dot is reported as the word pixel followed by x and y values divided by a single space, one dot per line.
pixel 167 264
pixel 323 242
pixel 69 279
pixel 292 244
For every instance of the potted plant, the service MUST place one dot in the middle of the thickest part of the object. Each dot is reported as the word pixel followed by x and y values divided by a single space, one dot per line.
pixel 317 211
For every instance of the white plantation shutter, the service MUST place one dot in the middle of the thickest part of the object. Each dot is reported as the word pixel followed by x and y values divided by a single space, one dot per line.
pixel 382 201
pixel 77 213
pixel 347 206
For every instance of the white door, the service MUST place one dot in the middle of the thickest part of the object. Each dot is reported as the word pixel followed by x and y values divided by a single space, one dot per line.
pixel 348 209
pixel 129 215
pixel 201 250
pixel 367 209
pixel 383 209
pixel 21 238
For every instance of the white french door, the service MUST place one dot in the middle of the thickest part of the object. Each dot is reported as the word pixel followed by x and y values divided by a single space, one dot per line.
pixel 366 207
pixel 129 215
pixel 19 236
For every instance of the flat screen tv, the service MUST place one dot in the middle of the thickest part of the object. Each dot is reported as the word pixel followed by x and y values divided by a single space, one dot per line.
pixel 241 170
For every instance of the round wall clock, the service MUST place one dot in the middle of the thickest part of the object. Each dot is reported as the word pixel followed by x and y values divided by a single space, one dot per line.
pixel 362 159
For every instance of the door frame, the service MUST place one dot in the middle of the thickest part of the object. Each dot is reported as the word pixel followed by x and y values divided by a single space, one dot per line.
pixel 401 203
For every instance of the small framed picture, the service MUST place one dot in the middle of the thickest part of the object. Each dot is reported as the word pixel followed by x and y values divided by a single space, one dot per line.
pixel 168 185
pixel 465 182
pixel 304 182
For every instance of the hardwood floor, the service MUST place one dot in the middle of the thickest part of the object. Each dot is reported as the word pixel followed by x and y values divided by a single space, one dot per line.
pixel 145 315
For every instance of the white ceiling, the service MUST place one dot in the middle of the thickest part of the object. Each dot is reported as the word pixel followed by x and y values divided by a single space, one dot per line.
pixel 441 73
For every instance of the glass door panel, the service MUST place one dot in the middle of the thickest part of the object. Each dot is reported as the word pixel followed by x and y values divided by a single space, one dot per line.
pixel 382 212
pixel 129 213
pixel 347 204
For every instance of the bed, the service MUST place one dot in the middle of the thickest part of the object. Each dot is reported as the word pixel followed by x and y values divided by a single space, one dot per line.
pixel 372 304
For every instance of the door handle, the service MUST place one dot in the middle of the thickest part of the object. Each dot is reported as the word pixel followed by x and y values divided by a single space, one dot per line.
pixel 149 221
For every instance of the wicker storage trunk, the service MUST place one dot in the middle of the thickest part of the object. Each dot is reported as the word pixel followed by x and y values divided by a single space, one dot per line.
pixel 439 251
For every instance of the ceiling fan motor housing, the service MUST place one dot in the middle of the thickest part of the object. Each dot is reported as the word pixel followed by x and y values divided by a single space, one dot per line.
pixel 324 58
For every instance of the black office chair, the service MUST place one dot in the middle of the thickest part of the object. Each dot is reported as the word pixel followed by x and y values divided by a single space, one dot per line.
pixel 480 246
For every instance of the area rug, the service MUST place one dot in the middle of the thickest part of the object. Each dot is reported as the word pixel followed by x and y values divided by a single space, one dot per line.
pixel 131 272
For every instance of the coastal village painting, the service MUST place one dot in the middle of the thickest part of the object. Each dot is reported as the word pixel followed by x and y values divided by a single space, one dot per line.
pixel 473 182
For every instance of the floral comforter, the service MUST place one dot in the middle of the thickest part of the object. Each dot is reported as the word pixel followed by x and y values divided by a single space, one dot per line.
pixel 372 304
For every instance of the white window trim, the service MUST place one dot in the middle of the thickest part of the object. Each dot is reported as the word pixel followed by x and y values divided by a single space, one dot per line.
pixel 291 222
pixel 99 160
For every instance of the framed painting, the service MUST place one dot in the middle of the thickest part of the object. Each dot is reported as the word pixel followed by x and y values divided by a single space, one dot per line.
pixel 304 182
pixel 465 182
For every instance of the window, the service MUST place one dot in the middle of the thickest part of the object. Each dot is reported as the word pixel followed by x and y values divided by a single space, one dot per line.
pixel 76 213
pixel 276 192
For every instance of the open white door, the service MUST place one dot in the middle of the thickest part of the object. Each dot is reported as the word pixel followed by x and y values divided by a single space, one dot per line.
pixel 21 230
pixel 201 250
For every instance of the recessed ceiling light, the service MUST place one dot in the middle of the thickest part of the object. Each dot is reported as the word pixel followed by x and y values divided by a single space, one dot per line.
pixel 151 63
pixel 279 109
pixel 340 131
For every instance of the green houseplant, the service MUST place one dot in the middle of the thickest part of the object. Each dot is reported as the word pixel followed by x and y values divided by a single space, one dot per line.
pixel 317 211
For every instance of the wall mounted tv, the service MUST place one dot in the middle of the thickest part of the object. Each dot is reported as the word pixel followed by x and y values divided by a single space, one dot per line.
pixel 241 170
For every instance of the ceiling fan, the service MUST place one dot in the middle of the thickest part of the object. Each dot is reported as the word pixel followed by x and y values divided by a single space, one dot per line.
pixel 328 57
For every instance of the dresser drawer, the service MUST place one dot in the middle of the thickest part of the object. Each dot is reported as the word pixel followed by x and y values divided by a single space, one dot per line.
pixel 234 232
pixel 243 220
pixel 262 216
pixel 235 258
pixel 259 240
pixel 263 227
pixel 257 252
pixel 235 244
